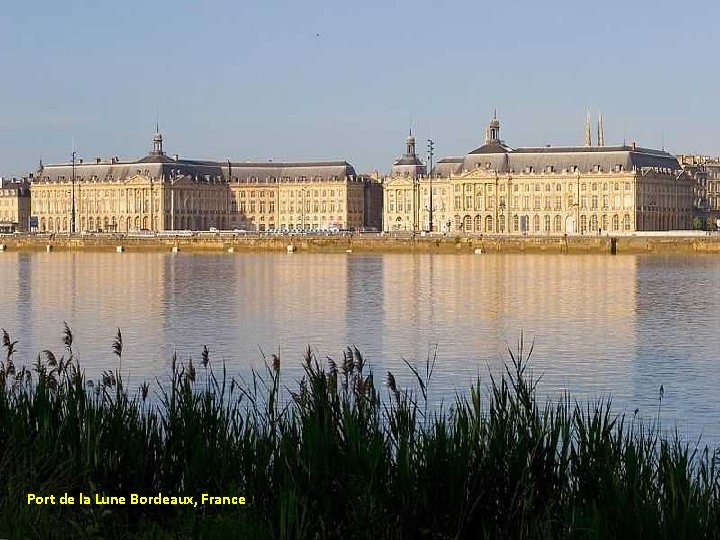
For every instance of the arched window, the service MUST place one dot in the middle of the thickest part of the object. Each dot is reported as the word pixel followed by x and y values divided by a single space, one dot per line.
pixel 478 224
pixel 626 222
pixel 536 223
pixel 547 224
pixel 489 224
pixel 593 223
pixel 467 224
pixel 583 224
pixel 558 224
pixel 604 222
pixel 516 223
pixel 502 223
pixel 91 223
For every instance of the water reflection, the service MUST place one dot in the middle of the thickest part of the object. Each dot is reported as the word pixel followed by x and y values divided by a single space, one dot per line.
pixel 601 325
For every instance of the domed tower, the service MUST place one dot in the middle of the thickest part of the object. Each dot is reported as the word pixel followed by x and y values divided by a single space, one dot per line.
pixel 157 143
pixel 492 135
pixel 409 164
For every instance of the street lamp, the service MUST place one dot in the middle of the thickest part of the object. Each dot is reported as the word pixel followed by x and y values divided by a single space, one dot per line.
pixel 431 148
pixel 72 217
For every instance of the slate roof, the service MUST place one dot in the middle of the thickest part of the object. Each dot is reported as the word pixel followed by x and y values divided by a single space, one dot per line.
pixel 581 159
pixel 162 167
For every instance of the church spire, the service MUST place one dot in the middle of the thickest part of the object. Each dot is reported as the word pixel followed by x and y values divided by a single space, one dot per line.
pixel 588 129
pixel 601 131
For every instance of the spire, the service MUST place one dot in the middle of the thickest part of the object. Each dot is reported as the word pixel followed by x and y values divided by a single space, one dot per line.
pixel 588 129
pixel 157 141
pixel 601 131
pixel 410 145
pixel 493 131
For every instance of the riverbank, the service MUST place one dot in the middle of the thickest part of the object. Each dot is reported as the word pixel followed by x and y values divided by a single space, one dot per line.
pixel 366 243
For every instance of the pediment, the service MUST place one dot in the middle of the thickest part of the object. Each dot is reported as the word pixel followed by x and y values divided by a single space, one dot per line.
pixel 476 174
pixel 399 182
pixel 137 180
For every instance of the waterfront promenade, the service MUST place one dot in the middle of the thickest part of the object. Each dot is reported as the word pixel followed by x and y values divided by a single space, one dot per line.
pixel 204 242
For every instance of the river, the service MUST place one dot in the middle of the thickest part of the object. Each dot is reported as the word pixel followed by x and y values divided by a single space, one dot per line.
pixel 600 326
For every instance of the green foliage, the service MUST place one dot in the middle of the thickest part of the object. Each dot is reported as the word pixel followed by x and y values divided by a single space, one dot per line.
pixel 699 224
pixel 332 458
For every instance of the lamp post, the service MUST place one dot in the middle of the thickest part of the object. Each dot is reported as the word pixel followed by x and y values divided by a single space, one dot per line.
pixel 72 204
pixel 416 203
pixel 431 148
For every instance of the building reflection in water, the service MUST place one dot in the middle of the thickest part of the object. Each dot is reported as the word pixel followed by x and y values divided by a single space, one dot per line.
pixel 578 310
pixel 602 325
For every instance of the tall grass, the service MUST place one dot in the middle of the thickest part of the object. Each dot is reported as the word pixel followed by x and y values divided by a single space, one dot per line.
pixel 337 455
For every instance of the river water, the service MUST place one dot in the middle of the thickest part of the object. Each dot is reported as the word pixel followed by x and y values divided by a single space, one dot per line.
pixel 601 326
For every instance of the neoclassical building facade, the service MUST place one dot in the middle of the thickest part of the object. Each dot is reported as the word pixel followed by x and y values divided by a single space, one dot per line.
pixel 544 190
pixel 14 205
pixel 162 193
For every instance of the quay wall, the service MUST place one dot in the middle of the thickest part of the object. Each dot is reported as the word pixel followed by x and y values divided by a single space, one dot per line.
pixel 362 243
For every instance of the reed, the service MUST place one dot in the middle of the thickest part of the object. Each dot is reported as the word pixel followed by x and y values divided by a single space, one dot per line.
pixel 337 455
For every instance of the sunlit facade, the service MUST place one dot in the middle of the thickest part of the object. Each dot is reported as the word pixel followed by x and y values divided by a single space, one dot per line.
pixel 160 193
pixel 545 190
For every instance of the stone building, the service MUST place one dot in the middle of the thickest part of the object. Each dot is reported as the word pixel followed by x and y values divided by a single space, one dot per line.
pixel 159 193
pixel 14 205
pixel 406 201
pixel 705 173
pixel 295 196
pixel 555 190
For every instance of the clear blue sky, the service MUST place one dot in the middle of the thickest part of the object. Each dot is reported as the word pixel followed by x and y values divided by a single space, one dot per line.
pixel 345 80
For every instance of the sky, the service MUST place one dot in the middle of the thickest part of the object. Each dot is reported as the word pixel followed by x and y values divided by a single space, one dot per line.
pixel 347 80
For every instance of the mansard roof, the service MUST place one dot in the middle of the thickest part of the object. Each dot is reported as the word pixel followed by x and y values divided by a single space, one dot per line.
pixel 163 167
pixel 408 159
pixel 492 147
pixel 568 158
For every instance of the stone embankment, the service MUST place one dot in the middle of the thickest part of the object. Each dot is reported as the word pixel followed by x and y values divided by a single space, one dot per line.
pixel 366 243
